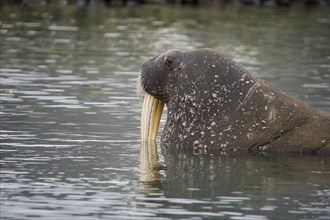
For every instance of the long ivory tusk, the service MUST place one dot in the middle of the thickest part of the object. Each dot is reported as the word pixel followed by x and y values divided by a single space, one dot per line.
pixel 151 113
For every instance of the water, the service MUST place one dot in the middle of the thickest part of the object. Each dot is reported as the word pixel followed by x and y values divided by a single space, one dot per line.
pixel 70 116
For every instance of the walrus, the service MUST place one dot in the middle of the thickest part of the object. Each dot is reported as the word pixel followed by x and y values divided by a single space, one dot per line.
pixel 214 103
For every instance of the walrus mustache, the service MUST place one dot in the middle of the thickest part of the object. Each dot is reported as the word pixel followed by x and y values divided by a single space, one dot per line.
pixel 139 88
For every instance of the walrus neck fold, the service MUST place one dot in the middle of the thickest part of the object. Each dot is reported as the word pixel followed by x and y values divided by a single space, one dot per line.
pixel 151 113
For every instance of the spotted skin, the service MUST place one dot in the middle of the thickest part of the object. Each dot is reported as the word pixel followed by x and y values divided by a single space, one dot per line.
pixel 214 103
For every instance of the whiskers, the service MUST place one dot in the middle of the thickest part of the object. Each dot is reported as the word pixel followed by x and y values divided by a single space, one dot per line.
pixel 139 88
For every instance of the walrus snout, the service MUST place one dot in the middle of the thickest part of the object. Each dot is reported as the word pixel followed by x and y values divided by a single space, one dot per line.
pixel 152 107
pixel 150 77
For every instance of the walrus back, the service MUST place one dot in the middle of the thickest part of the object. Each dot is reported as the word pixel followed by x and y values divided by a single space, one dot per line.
pixel 295 126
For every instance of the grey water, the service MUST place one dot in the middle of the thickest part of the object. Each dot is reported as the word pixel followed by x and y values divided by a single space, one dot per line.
pixel 70 116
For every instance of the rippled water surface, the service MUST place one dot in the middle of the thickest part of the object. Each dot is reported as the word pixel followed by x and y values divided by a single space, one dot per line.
pixel 70 116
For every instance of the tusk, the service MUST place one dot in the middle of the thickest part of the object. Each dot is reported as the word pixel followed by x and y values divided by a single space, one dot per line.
pixel 151 113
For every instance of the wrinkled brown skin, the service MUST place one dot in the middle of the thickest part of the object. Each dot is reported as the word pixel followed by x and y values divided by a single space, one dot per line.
pixel 214 103
pixel 282 123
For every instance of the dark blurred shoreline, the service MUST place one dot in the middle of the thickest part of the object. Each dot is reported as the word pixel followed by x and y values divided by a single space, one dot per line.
pixel 193 3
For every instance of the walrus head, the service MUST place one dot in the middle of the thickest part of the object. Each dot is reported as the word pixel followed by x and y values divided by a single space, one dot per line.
pixel 159 73
pixel 156 80
pixel 185 81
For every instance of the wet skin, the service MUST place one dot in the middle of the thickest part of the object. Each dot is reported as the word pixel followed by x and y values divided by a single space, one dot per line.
pixel 214 103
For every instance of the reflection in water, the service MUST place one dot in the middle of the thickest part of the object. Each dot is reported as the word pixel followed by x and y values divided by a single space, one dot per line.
pixel 216 172
pixel 224 183
pixel 148 162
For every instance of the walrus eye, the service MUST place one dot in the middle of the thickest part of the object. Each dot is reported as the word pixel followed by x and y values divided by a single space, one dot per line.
pixel 169 61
